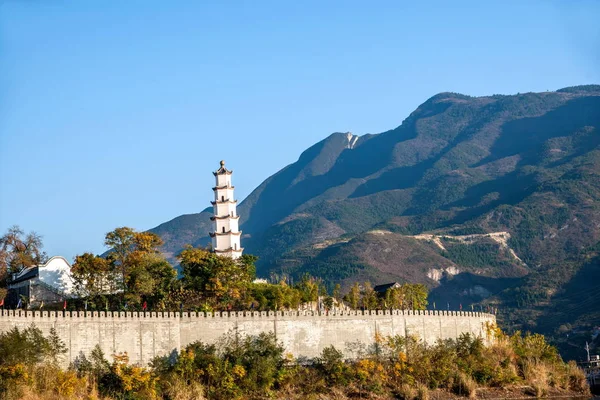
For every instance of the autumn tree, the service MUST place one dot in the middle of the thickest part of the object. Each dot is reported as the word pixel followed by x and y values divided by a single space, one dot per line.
pixel 222 279
pixel 121 244
pixel 134 267
pixel 136 255
pixel 93 275
pixel 17 252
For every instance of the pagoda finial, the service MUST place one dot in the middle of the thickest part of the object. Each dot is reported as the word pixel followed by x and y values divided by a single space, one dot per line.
pixel 222 163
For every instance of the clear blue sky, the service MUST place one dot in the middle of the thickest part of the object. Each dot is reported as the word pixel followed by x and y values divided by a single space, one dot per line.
pixel 114 113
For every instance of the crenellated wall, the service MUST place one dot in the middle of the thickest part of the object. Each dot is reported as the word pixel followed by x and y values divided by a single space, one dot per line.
pixel 303 333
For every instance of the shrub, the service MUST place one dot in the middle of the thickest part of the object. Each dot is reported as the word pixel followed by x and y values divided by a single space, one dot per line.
pixel 464 385
pixel 407 392
pixel 331 364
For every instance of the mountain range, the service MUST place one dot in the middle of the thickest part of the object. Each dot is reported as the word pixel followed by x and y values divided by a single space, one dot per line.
pixel 489 201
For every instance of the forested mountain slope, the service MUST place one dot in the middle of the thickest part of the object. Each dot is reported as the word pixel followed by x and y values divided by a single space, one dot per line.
pixel 418 203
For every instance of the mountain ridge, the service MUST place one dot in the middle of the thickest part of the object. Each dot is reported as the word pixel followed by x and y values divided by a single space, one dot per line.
pixel 525 164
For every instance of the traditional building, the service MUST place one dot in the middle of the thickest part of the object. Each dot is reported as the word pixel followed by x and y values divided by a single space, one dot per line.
pixel 49 283
pixel 226 234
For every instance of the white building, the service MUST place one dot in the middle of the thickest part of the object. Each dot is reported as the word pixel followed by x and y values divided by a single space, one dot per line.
pixel 226 234
pixel 49 282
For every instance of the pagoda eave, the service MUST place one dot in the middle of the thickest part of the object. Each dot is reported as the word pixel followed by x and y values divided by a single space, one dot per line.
pixel 230 250
pixel 213 234
pixel 223 202
pixel 223 187
pixel 224 217
pixel 225 172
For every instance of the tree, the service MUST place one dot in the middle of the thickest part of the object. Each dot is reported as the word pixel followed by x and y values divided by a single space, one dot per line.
pixel 369 299
pixel 143 273
pixel 221 278
pixel 151 277
pixel 353 297
pixel 309 287
pixel 337 292
pixel 19 251
pixel 93 275
pixel 29 346
pixel 120 241
pixel 416 296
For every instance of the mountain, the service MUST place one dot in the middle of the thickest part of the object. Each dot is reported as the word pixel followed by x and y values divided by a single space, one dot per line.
pixel 489 199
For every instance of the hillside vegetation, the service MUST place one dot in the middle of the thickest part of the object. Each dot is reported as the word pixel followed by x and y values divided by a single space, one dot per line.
pixel 360 208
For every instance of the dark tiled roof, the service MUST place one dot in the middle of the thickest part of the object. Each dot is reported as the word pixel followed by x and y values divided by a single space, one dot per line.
pixel 26 274
pixel 383 288
pixel 222 170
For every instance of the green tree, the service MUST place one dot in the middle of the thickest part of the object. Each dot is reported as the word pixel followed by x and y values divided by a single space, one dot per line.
pixel 369 297
pixel 121 244
pixel 353 297
pixel 309 288
pixel 151 277
pixel 337 292
pixel 92 275
pixel 143 273
pixel 222 279
pixel 29 346
pixel 416 296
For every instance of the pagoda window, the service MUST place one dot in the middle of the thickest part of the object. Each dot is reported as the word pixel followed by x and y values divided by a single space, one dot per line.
pixel 223 229
pixel 222 198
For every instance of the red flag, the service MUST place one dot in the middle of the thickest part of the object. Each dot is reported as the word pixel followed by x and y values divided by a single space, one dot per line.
pixel 145 306
pixel 460 307
pixel 2 303
pixel 65 305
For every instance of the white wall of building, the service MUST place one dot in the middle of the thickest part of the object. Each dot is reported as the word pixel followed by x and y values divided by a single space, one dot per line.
pixel 57 273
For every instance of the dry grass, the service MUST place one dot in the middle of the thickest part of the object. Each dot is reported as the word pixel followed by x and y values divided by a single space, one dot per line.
pixel 537 375
pixel 577 379
pixel 178 389
pixel 422 392
pixel 407 392
pixel 464 385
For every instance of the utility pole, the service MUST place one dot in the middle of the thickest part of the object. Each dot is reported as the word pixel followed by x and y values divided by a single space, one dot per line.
pixel 587 348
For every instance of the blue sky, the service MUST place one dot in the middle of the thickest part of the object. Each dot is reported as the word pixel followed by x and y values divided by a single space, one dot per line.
pixel 114 113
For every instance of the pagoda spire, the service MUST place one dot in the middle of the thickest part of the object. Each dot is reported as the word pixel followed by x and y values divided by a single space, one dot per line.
pixel 225 234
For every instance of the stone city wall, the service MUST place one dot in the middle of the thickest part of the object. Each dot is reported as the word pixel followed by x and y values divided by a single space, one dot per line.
pixel 303 334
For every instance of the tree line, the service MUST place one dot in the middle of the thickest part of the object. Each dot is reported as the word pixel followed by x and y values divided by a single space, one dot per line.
pixel 135 275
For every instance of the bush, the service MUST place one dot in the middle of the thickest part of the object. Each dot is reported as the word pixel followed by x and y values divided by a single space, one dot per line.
pixel 29 347
pixel 254 367
pixel 331 365
pixel 464 385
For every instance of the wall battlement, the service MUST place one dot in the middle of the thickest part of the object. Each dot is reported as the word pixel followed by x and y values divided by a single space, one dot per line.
pixel 227 314
pixel 145 335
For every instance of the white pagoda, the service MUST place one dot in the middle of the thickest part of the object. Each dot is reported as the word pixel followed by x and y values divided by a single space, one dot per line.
pixel 226 234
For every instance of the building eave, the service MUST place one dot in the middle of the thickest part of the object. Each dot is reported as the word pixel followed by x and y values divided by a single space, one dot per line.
pixel 222 171
pixel 214 217
pixel 222 202
pixel 230 250
pixel 222 187
pixel 213 234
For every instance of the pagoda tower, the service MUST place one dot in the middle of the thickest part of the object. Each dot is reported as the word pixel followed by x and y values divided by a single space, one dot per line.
pixel 226 234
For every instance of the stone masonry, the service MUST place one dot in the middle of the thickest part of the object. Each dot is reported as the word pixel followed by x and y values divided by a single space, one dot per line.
pixel 303 334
